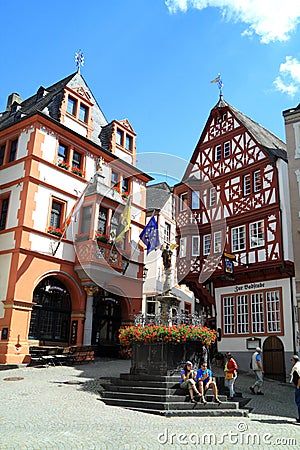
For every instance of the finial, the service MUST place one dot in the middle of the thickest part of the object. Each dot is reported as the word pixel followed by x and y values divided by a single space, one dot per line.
pixel 220 83
pixel 79 60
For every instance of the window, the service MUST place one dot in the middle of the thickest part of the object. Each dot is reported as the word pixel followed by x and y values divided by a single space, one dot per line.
pixel 3 212
pixel 273 312
pixel 218 152
pixel 256 181
pixel 115 221
pixel 195 200
pixel 71 107
pixel 242 314
pixel 257 234
pixel 86 219
pixel 238 238
pixel 102 220
pixel 195 245
pixel 206 244
pixel 119 137
pixel 62 152
pixel 257 313
pixel 167 232
pixel 114 178
pixel 182 248
pixel 128 142
pixel 13 150
pixel 226 149
pixel 125 185
pixel 77 158
pixel 183 200
pixel 83 113
pixel 187 308
pixel 263 308
pixel 212 196
pixel 217 241
pixel 228 311
pixel 56 214
pixel 247 184
pixel 2 153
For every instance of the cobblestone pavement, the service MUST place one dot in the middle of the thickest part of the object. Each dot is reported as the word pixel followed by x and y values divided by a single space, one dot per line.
pixel 41 411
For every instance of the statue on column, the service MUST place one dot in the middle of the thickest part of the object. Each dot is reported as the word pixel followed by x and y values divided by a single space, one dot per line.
pixel 167 263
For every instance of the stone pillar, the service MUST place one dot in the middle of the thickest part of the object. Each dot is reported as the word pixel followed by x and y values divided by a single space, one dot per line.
pixel 88 324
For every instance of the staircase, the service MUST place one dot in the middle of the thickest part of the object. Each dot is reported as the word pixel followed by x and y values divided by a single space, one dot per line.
pixel 162 395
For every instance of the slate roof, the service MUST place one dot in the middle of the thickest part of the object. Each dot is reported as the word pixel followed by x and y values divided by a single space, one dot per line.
pixel 272 144
pixel 157 196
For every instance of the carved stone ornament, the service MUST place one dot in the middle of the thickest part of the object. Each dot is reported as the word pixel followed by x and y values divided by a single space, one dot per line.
pixel 91 290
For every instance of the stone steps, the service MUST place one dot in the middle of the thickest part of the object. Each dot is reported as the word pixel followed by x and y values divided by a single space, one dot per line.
pixel 162 395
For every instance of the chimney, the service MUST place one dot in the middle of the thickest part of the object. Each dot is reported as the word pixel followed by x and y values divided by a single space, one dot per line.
pixel 13 98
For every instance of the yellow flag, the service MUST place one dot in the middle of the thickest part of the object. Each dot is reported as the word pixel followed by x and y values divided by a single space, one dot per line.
pixel 125 222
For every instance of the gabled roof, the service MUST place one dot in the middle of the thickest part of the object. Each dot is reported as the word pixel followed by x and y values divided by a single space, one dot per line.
pixel 157 196
pixel 272 144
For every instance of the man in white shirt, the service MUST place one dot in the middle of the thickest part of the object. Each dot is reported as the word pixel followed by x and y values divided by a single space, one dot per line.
pixel 258 370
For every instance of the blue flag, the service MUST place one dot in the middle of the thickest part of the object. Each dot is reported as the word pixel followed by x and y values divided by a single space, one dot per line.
pixel 149 235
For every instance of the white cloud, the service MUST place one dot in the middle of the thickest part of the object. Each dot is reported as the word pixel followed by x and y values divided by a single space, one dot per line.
pixel 271 20
pixel 288 81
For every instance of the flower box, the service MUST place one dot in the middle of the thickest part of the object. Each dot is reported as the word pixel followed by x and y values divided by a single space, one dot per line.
pixel 77 171
pixel 102 238
pixel 56 231
pixel 63 165
pixel 82 237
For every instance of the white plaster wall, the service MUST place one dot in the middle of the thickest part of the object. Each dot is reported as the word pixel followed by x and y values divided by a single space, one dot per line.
pixel 12 173
pixel 48 147
pixel 22 143
pixel 75 126
pixel 236 344
pixel 14 204
pixel 122 155
pixel 284 193
pixel 5 262
pixel 47 245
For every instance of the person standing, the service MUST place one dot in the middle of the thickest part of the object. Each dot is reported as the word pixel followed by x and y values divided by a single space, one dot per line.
pixel 257 367
pixel 230 370
pixel 295 379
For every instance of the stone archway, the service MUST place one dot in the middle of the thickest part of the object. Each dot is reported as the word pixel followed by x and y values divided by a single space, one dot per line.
pixel 273 358
pixel 51 314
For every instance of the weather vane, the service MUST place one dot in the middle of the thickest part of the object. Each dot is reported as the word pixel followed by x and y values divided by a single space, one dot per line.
pixel 219 81
pixel 79 60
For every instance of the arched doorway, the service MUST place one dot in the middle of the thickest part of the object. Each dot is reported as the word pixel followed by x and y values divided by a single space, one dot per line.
pixel 51 314
pixel 273 358
pixel 106 323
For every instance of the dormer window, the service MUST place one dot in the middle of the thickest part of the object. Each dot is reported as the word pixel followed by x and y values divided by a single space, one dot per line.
pixel 71 108
pixel 128 145
pixel 119 137
pixel 83 113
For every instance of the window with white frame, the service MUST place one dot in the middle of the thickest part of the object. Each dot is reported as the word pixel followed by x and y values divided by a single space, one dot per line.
pixel 212 196
pixel 182 247
pixel 167 232
pixel 238 238
pixel 183 200
pixel 226 149
pixel 228 314
pixel 247 184
pixel 217 241
pixel 195 200
pixel 242 314
pixel 195 245
pixel 256 181
pixel 273 312
pixel 257 312
pixel 206 244
pixel 218 152
pixel 256 234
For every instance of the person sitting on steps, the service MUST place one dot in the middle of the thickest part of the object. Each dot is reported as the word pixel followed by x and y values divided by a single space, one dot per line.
pixel 187 381
pixel 204 381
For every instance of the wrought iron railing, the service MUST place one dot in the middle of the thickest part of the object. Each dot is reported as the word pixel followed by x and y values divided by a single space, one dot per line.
pixel 171 318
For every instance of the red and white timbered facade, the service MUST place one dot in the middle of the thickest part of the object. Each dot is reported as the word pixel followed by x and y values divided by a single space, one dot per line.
pixel 233 222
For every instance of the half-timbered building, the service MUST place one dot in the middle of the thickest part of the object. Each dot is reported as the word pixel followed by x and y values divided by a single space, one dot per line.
pixel 235 253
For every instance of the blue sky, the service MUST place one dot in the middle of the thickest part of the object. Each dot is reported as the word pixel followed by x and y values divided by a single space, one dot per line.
pixel 151 61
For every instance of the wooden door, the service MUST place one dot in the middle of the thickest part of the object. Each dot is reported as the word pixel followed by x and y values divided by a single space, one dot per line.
pixel 273 359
